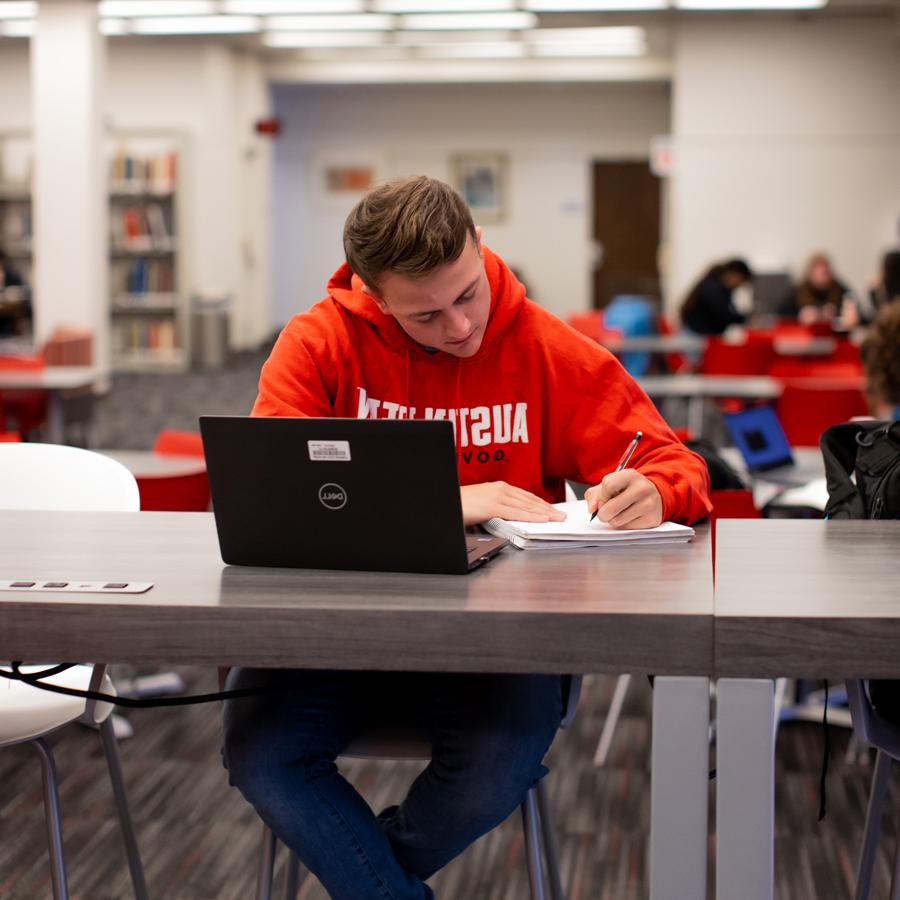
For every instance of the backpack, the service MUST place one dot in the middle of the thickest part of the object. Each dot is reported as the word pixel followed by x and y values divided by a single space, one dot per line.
pixel 862 470
pixel 870 452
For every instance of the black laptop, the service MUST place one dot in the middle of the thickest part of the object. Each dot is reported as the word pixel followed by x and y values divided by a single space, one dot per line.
pixel 371 494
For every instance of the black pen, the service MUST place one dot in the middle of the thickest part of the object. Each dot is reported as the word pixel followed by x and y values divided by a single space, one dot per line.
pixel 629 452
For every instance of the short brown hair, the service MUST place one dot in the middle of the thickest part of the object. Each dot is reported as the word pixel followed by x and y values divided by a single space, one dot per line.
pixel 881 356
pixel 409 225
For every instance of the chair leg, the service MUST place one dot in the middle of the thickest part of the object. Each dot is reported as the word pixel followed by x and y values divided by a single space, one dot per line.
pixel 873 825
pixel 110 750
pixel 266 864
pixel 612 719
pixel 530 822
pixel 895 878
pixel 51 814
pixel 550 852
pixel 293 877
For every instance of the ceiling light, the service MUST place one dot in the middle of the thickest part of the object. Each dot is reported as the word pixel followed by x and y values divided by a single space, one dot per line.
pixel 196 25
pixel 325 39
pixel 156 7
pixel 596 5
pixel 18 28
pixel 291 7
pixel 479 50
pixel 623 34
pixel 418 38
pixel 749 4
pixel 469 21
pixel 114 27
pixel 19 9
pixel 587 49
pixel 365 22
pixel 442 6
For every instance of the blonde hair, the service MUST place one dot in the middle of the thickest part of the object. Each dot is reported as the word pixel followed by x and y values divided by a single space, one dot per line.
pixel 410 226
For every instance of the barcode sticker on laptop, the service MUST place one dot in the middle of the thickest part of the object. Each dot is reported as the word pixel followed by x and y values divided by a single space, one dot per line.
pixel 329 451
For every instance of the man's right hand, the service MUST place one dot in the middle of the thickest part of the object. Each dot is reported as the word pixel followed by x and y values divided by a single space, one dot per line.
pixel 497 499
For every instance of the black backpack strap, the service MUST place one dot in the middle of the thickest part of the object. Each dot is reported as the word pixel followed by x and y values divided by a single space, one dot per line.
pixel 839 447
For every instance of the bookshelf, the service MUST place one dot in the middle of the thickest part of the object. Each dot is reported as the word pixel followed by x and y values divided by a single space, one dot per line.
pixel 148 310
pixel 15 200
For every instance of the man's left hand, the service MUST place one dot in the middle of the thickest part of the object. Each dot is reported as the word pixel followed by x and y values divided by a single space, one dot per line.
pixel 626 499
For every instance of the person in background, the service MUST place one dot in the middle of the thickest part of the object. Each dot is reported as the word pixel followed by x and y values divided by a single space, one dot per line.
pixel 14 304
pixel 887 288
pixel 820 296
pixel 710 307
pixel 880 353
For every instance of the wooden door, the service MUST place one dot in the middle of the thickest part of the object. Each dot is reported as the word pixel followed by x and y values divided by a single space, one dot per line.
pixel 626 228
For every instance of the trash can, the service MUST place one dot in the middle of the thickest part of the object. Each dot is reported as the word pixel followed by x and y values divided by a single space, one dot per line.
pixel 209 332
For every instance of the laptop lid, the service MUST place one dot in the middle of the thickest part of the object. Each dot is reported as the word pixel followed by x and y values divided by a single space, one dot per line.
pixel 758 435
pixel 366 494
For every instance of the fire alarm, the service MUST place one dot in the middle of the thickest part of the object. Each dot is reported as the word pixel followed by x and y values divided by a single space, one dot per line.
pixel 270 126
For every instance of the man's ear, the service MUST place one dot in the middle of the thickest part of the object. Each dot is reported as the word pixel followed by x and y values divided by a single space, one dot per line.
pixel 478 239
pixel 378 301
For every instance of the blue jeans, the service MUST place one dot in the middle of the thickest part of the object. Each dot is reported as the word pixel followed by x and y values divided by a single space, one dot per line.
pixel 489 734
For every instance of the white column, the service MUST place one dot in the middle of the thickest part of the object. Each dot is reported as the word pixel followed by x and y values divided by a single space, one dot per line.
pixel 69 192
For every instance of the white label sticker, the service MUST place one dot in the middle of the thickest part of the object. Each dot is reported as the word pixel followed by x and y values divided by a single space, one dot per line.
pixel 329 451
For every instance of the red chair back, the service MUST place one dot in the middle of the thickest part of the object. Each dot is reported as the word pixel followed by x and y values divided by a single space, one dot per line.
pixel 730 505
pixel 27 362
pixel 752 356
pixel 808 406
pixel 590 324
pixel 179 443
pixel 175 493
pixel 10 437
pixel 27 408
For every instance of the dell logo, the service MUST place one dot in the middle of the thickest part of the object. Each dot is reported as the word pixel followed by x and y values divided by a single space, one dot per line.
pixel 332 496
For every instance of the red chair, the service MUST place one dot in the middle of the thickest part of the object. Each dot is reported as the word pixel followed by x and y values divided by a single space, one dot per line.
pixel 28 408
pixel 10 437
pixel 179 443
pixel 808 406
pixel 176 493
pixel 751 356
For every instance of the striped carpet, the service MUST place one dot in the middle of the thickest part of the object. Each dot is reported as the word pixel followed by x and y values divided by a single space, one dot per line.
pixel 200 841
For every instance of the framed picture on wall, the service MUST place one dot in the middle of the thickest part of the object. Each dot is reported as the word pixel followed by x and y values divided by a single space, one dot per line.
pixel 481 179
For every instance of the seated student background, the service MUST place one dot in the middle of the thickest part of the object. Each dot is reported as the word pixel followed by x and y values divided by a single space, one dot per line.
pixel 710 307
pixel 424 321
pixel 880 353
pixel 887 286
pixel 15 305
pixel 820 296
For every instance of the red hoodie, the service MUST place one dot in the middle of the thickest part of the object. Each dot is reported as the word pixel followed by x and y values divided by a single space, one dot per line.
pixel 537 404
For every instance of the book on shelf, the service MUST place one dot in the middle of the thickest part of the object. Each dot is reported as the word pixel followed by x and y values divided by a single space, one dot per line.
pixel 150 173
pixel 578 531
pixel 150 335
pixel 141 229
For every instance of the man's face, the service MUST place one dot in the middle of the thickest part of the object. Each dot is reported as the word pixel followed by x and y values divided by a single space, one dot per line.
pixel 447 309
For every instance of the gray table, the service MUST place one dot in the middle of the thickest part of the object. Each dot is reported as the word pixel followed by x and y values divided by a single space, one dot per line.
pixel 54 380
pixel 646 609
pixel 696 388
pixel 797 598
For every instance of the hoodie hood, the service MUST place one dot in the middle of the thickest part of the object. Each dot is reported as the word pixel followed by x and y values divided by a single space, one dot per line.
pixel 507 299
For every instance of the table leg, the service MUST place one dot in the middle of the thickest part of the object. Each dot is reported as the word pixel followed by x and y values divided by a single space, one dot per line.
pixel 696 405
pixel 679 790
pixel 745 789
pixel 54 431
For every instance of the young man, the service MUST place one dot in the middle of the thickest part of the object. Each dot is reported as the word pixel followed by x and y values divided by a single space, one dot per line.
pixel 425 322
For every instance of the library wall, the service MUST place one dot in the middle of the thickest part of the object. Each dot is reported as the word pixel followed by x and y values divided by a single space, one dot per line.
pixel 787 142
pixel 549 134
pixel 211 96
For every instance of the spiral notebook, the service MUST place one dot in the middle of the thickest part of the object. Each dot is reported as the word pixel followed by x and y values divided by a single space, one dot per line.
pixel 578 531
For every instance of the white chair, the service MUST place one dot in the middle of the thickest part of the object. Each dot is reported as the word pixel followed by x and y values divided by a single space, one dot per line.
pixel 52 477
